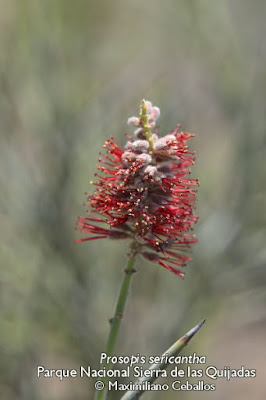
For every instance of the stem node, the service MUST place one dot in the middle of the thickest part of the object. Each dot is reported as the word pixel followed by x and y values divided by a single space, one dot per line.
pixel 130 271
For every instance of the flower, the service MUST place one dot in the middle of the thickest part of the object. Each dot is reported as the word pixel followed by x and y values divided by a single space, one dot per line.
pixel 144 192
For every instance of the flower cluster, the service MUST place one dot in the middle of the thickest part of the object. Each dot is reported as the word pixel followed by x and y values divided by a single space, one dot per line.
pixel 143 192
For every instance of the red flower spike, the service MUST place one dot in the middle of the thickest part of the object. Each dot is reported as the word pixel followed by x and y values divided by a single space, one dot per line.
pixel 143 193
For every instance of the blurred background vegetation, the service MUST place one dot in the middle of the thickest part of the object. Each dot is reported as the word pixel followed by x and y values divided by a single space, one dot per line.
pixel 71 73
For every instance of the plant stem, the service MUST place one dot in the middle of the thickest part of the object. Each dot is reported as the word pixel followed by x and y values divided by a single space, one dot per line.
pixel 146 126
pixel 116 320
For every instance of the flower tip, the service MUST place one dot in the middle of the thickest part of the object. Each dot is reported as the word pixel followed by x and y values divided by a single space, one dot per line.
pixel 146 103
pixel 145 106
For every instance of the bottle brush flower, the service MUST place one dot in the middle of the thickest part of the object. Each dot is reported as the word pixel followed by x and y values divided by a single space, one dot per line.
pixel 144 192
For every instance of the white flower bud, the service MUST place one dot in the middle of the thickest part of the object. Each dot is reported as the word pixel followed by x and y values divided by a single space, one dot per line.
pixel 133 121
pixel 140 145
pixel 155 113
pixel 128 156
pixel 162 143
pixel 145 158
pixel 151 170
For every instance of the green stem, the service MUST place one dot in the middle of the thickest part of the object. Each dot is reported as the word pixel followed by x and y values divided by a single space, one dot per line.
pixel 146 126
pixel 116 321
